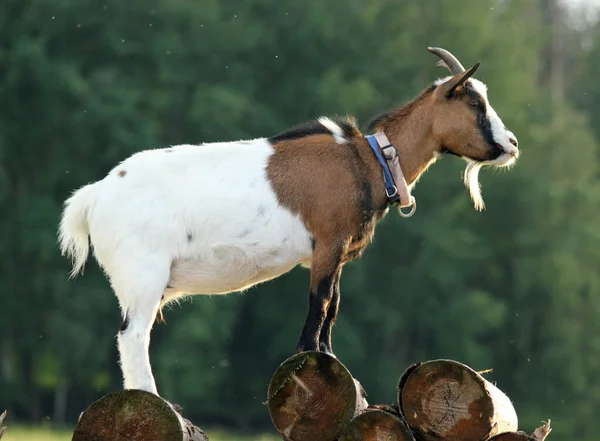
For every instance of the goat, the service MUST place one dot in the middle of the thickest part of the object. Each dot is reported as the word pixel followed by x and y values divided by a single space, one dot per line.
pixel 222 217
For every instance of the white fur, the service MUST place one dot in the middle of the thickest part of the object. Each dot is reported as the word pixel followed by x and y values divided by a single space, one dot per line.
pixel 200 219
pixel 440 81
pixel 335 130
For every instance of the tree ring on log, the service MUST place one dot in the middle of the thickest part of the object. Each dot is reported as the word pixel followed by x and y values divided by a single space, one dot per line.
pixel 376 425
pixel 312 396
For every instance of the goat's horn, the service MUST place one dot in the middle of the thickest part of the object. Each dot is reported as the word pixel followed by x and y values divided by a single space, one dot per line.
pixel 448 60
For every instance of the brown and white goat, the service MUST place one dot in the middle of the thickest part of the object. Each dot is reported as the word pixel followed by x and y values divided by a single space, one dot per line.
pixel 223 217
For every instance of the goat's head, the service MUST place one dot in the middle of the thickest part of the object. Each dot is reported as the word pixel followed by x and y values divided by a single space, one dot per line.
pixel 467 125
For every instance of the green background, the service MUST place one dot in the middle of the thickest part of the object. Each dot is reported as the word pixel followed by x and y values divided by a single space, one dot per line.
pixel 516 288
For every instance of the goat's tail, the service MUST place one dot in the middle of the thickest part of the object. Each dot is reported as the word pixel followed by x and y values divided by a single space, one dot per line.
pixel 73 233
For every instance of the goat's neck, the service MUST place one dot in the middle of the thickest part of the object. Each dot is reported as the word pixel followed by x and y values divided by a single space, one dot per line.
pixel 412 136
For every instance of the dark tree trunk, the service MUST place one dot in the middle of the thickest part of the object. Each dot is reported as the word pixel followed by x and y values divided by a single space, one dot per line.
pixel 552 74
pixel 31 386
pixel 134 415
pixel 312 396
pixel 60 402
pixel 7 371
pixel 446 400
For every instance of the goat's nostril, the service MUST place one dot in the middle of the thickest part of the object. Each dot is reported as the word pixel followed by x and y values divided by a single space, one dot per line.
pixel 514 141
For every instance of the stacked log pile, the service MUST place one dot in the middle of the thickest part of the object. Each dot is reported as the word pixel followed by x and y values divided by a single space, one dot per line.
pixel 313 397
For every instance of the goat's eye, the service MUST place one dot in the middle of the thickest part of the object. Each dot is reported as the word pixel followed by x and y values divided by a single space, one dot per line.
pixel 474 104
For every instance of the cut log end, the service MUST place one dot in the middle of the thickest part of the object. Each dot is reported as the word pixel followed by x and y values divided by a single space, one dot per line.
pixel 376 425
pixel 134 415
pixel 447 400
pixel 312 396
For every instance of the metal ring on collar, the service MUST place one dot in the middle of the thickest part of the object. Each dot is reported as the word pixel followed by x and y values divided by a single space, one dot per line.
pixel 412 210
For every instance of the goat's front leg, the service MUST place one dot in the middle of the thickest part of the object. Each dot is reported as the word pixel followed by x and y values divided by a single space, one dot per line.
pixel 325 267
pixel 332 311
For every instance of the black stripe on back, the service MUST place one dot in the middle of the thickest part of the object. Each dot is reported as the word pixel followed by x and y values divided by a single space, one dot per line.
pixel 314 127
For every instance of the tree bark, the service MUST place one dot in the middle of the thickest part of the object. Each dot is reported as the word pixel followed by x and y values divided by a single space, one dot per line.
pixel 513 436
pixel 446 400
pixel 134 415
pixel 539 434
pixel 312 396
pixel 2 429
pixel 376 425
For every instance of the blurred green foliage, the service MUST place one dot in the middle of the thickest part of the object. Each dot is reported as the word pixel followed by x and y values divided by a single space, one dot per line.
pixel 516 288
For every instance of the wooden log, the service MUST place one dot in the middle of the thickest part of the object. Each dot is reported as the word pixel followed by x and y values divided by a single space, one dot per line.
pixel 539 434
pixel 542 432
pixel 2 429
pixel 312 396
pixel 376 425
pixel 447 400
pixel 134 415
pixel 513 436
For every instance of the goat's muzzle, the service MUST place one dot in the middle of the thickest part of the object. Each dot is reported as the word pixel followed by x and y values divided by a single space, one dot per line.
pixel 506 156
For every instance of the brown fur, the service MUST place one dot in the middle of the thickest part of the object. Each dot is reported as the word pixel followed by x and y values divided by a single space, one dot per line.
pixel 331 187
pixel 456 122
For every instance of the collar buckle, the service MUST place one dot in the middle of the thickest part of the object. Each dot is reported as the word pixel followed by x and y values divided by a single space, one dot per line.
pixel 387 191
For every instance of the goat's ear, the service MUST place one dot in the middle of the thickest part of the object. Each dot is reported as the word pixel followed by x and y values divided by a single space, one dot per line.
pixel 456 83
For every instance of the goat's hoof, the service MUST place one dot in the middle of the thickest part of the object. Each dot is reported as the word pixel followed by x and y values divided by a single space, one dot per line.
pixel 323 347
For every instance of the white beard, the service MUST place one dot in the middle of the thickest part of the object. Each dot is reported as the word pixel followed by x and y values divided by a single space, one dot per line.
pixel 471 176
pixel 471 180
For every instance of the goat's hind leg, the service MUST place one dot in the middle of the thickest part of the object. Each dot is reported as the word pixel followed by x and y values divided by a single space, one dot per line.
pixel 139 289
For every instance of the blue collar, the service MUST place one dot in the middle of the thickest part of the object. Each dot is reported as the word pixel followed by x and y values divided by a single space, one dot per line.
pixel 390 188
